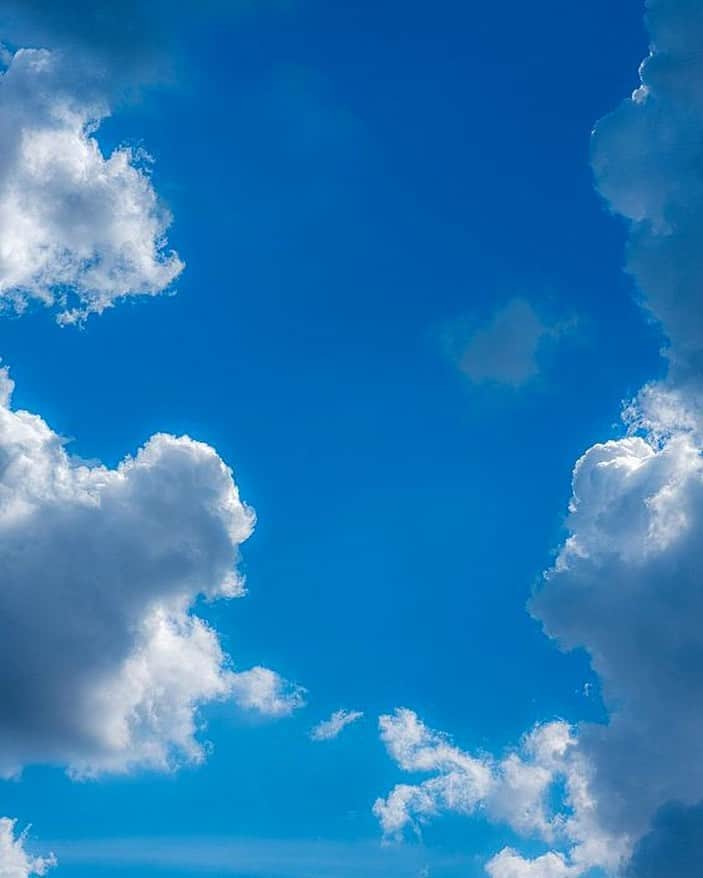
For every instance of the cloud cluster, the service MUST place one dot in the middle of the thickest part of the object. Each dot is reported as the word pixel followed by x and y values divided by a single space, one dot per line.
pixel 15 862
pixel 540 790
pixel 331 728
pixel 78 230
pixel 103 664
pixel 626 585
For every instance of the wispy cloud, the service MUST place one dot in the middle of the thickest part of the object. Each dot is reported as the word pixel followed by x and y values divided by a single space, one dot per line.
pixel 333 727
pixel 262 858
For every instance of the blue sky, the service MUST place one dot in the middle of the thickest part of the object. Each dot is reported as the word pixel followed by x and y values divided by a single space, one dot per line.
pixel 357 190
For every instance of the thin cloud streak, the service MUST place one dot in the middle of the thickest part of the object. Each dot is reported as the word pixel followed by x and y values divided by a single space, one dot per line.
pixel 260 858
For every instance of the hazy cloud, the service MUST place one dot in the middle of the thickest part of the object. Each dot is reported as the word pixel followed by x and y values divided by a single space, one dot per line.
pixel 117 43
pixel 506 349
pixel 674 846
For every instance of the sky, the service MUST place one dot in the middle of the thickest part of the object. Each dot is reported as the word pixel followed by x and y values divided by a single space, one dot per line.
pixel 351 494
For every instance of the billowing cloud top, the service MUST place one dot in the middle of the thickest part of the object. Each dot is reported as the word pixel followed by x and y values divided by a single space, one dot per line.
pixel 102 664
pixel 78 230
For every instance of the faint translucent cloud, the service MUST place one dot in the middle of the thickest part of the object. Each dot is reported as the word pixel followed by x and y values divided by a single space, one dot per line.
pixel 263 858
pixel 506 349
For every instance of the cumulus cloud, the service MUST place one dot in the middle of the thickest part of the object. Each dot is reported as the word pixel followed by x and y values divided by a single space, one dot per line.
pixel 78 230
pixel 335 725
pixel 540 790
pixel 103 664
pixel 626 587
pixel 647 162
pixel 626 584
pixel 15 861
pixel 506 349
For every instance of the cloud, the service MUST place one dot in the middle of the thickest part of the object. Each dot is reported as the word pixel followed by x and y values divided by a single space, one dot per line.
pixel 647 162
pixel 78 230
pixel 507 349
pixel 626 584
pixel 509 864
pixel 15 862
pixel 674 846
pixel 123 43
pixel 540 790
pixel 265 691
pixel 626 587
pixel 335 725
pixel 103 664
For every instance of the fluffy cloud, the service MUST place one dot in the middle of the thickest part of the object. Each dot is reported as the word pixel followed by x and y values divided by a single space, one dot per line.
pixel 103 665
pixel 507 349
pixel 509 864
pixel 263 690
pixel 15 862
pixel 78 230
pixel 626 587
pixel 335 725
pixel 520 789
pixel 647 162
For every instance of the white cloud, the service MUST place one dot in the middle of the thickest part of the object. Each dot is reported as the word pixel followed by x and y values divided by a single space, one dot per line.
pixel 103 665
pixel 507 348
pixel 78 230
pixel 333 727
pixel 265 691
pixel 15 861
pixel 626 585
pixel 520 789
pixel 626 588
pixel 509 864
